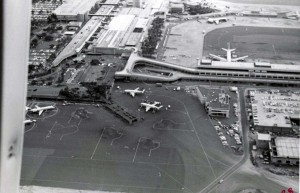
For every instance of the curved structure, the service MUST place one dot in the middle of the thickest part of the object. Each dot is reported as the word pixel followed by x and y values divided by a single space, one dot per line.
pixel 241 72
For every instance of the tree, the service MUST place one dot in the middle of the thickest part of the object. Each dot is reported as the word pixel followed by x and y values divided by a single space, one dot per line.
pixel 52 18
pixel 95 62
pixel 34 43
pixel 59 28
pixel 48 38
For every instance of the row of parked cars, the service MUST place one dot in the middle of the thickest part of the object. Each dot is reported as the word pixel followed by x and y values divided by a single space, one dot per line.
pixel 231 131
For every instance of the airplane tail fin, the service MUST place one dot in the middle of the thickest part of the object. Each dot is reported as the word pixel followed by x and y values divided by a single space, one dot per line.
pixel 143 90
pixel 159 107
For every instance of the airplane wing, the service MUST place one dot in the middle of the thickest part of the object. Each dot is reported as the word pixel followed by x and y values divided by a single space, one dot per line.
pixel 132 94
pixel 147 108
pixel 137 89
pixel 40 112
pixel 237 59
pixel 218 58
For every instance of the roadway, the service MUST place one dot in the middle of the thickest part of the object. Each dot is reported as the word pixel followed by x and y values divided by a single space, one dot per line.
pixel 79 40
pixel 245 130
pixel 189 73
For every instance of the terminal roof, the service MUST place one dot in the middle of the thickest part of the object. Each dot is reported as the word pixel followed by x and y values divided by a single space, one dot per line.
pixel 287 147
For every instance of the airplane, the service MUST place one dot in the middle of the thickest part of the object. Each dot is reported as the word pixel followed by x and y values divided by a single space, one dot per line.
pixel 153 106
pixel 26 109
pixel 135 91
pixel 217 20
pixel 41 109
pixel 295 16
pixel 28 121
pixel 228 57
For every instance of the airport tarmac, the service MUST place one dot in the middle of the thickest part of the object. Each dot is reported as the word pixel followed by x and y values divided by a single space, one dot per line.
pixel 86 147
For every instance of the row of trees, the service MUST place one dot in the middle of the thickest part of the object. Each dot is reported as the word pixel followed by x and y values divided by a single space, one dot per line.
pixel 72 93
pixel 198 9
pixel 154 35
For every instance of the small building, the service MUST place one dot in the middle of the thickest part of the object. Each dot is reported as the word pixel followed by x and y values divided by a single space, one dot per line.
pixel 74 25
pixel 69 33
pixel 262 140
pixel 284 150
pixel 216 101
pixel 176 8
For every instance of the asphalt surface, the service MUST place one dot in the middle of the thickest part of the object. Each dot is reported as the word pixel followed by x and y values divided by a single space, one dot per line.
pixel 245 130
pixel 100 152
pixel 275 44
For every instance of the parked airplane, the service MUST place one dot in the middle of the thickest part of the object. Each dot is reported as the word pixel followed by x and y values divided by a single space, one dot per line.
pixel 26 109
pixel 217 20
pixel 135 91
pixel 295 16
pixel 27 121
pixel 41 109
pixel 228 57
pixel 153 106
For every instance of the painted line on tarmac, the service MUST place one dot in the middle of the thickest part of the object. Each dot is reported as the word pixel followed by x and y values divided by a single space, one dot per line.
pixel 174 179
pixel 154 148
pixel 112 141
pixel 137 149
pixel 194 130
pixel 34 125
pixel 97 143
pixel 77 129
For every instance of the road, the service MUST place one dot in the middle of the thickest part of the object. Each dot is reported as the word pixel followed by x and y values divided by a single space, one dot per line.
pixel 244 123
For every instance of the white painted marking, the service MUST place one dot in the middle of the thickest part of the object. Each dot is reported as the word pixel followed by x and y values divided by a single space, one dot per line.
pixel 97 144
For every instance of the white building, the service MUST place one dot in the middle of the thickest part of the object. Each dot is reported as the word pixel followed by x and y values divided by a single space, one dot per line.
pixel 75 10
pixel 121 35
pixel 262 140
pixel 284 150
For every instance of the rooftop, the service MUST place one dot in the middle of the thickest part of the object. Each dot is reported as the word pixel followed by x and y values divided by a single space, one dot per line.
pixel 75 23
pixel 104 10
pixel 112 1
pixel 113 36
pixel 79 40
pixel 263 137
pixel 75 7
pixel 177 5
pixel 287 147
pixel 274 109
pixel 251 65
pixel 216 98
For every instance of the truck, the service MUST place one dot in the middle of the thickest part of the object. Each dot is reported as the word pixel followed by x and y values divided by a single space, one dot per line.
pixel 233 89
